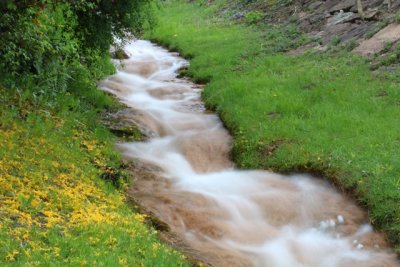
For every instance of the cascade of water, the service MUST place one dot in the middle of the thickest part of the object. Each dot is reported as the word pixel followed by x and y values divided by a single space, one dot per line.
pixel 231 217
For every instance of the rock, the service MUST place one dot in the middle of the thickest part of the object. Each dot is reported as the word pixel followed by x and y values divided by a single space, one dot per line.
pixel 304 25
pixel 315 18
pixel 238 16
pixel 122 126
pixel 342 17
pixel 346 31
pixel 376 44
pixel 371 13
pixel 357 32
pixel 302 15
pixel 336 30
pixel 369 4
pixel 311 22
pixel 395 5
pixel 315 5
pixel 331 3
pixel 374 3
pixel 345 5
pixel 119 54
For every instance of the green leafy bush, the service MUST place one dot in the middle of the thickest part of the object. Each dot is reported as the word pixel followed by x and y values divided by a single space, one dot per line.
pixel 43 38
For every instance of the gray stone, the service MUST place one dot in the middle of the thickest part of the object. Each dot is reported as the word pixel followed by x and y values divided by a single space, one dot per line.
pixel 371 13
pixel 313 21
pixel 336 30
pixel 342 5
pixel 315 18
pixel 331 3
pixel 373 3
pixel 315 5
pixel 395 5
pixel 342 17
pixel 368 4
pixel 238 16
pixel 357 32
pixel 119 54
pixel 376 44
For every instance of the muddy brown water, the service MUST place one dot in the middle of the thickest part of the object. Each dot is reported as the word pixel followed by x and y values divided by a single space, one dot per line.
pixel 225 216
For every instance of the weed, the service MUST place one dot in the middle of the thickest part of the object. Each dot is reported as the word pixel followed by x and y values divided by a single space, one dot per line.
pixel 335 41
pixel 397 18
pixel 387 46
pixel 350 45
pixel 253 17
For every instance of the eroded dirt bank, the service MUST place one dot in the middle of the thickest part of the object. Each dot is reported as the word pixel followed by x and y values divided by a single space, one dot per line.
pixel 224 216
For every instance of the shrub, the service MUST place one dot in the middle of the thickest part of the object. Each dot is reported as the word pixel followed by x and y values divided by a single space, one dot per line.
pixel 41 38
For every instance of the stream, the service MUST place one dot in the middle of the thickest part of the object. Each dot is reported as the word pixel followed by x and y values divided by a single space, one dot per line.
pixel 221 215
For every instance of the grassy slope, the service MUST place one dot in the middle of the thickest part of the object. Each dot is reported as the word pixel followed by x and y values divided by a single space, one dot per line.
pixel 55 210
pixel 315 113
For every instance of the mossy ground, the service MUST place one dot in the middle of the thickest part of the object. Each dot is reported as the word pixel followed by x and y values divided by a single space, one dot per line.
pixel 317 112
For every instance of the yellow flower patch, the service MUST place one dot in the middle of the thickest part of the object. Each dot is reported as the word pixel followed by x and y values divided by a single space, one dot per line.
pixel 54 207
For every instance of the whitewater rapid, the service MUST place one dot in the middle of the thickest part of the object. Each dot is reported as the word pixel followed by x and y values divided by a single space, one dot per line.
pixel 225 216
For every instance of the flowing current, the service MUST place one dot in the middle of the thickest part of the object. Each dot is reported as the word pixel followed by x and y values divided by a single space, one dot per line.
pixel 220 215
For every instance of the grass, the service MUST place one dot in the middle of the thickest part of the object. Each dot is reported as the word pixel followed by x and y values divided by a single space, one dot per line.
pixel 56 206
pixel 317 113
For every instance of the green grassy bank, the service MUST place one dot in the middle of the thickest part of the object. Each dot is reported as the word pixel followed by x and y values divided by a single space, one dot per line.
pixel 320 113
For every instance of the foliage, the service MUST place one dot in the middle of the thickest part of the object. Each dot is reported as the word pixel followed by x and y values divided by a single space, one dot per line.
pixel 45 36
pixel 283 38
pixel 391 58
pixel 253 17
pixel 335 41
pixel 313 113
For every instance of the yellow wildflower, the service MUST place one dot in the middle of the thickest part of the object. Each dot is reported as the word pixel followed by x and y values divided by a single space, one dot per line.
pixel 139 217
pixel 122 261
pixel 12 255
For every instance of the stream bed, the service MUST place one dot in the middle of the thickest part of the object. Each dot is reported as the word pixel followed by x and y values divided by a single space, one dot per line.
pixel 221 215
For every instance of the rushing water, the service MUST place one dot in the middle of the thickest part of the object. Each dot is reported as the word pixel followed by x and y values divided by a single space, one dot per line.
pixel 224 216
